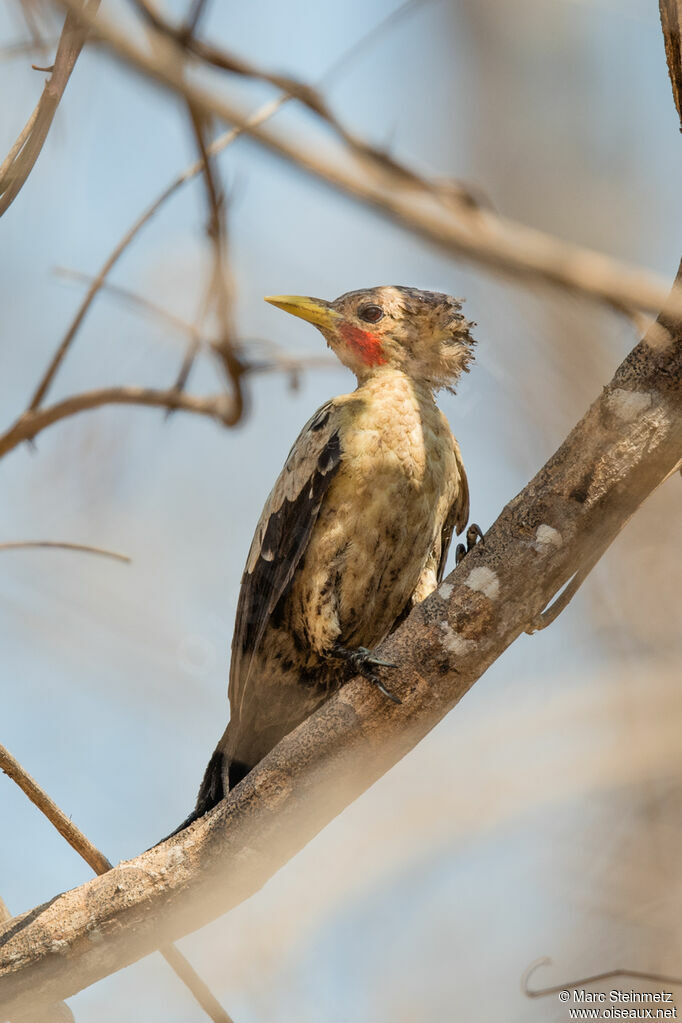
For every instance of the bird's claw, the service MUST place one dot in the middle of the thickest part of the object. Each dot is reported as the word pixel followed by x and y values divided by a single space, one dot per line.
pixel 382 688
pixel 473 536
pixel 381 664
pixel 362 661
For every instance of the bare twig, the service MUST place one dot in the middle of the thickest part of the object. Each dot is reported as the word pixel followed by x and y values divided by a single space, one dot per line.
pixel 199 988
pixel 491 240
pixel 139 301
pixel 64 825
pixel 655 978
pixel 22 157
pixel 310 97
pixel 24 47
pixel 194 15
pixel 14 545
pixel 671 23
pixel 259 117
pixel 30 424
pixel 218 292
pixel 101 865
pixel 277 359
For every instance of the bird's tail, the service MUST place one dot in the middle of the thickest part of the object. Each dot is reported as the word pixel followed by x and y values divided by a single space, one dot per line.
pixel 211 791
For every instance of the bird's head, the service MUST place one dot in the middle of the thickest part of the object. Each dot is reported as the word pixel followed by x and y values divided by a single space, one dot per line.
pixel 422 333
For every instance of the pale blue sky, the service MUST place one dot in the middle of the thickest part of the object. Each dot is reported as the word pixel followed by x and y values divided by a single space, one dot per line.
pixel 114 677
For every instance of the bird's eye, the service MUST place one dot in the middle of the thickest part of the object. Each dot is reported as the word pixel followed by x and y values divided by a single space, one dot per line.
pixel 370 313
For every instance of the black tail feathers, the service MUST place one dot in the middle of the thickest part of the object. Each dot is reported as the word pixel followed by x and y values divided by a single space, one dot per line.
pixel 212 788
pixel 211 791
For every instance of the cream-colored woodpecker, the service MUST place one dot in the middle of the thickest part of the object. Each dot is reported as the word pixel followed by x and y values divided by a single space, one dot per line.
pixel 357 527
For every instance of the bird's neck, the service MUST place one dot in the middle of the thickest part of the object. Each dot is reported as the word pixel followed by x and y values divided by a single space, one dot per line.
pixel 383 381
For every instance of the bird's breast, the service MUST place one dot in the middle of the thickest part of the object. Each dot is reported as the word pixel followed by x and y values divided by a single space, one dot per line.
pixel 395 435
pixel 385 507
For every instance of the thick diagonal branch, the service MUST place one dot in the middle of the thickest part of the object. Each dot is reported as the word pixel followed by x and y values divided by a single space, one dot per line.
pixel 100 864
pixel 621 450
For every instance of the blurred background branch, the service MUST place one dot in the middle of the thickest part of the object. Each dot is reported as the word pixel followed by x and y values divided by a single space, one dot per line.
pixel 565 831
pixel 21 158
pixel 30 424
pixel 671 21
pixel 476 234
pixel 100 864
pixel 596 978
pixel 260 116
pixel 14 545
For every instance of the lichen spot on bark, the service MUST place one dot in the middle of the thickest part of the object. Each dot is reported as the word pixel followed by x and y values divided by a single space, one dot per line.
pixel 453 642
pixel 483 580
pixel 627 405
pixel 547 537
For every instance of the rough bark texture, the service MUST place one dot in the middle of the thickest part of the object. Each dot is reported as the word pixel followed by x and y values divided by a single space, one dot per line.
pixel 627 443
pixel 671 19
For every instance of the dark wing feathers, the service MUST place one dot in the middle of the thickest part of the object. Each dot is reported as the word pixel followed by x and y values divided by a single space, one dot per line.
pixel 283 533
pixel 458 515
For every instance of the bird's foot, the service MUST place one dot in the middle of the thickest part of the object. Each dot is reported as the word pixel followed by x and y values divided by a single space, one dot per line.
pixel 474 535
pixel 362 662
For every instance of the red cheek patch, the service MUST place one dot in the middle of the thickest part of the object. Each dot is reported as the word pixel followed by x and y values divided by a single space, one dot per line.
pixel 365 344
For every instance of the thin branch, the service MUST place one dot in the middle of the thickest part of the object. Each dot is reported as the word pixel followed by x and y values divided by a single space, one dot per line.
pixel 22 157
pixel 625 445
pixel 24 47
pixel 595 978
pixel 218 291
pixel 199 988
pixel 29 13
pixel 30 424
pixel 15 545
pixel 254 120
pixel 194 15
pixel 101 865
pixel 261 115
pixel 474 233
pixel 47 806
pixel 278 359
pixel 214 56
pixel 140 301
pixel 671 23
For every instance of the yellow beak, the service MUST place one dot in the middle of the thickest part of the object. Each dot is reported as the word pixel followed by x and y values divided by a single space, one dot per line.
pixel 314 310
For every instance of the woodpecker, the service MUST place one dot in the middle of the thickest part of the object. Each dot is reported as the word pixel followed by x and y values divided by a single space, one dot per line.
pixel 357 527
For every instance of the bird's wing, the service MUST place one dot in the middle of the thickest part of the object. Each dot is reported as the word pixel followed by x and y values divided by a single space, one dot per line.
pixel 458 515
pixel 282 535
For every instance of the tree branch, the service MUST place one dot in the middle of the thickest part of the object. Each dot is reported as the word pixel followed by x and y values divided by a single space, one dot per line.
pixel 61 545
pixel 221 407
pixel 403 196
pixel 100 864
pixel 57 1013
pixel 260 116
pixel 22 157
pixel 624 447
pixel 671 21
